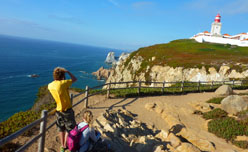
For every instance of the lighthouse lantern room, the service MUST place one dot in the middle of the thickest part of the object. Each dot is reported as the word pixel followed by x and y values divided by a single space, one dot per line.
pixel 216 26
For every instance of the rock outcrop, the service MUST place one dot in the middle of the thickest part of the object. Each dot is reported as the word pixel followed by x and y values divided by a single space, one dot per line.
pixel 178 129
pixel 124 133
pixel 111 58
pixel 224 90
pixel 234 104
pixel 102 73
pixel 130 71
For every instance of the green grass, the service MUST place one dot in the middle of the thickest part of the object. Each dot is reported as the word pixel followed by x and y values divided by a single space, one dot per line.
pixel 227 128
pixel 216 113
pixel 188 53
pixel 216 100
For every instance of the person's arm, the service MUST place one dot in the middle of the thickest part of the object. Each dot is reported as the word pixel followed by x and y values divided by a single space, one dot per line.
pixel 93 135
pixel 73 78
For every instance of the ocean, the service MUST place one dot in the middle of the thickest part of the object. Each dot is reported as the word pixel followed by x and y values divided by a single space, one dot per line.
pixel 21 57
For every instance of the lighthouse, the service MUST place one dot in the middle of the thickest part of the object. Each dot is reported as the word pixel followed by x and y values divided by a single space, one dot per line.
pixel 216 26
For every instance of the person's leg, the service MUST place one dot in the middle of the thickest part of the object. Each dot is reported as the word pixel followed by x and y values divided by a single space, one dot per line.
pixel 65 141
pixel 61 128
pixel 62 138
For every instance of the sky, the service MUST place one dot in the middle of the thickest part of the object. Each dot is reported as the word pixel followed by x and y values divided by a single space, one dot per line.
pixel 119 24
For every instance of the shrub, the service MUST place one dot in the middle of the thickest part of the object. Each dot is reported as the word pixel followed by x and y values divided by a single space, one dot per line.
pixel 216 113
pixel 16 122
pixel 227 128
pixel 215 100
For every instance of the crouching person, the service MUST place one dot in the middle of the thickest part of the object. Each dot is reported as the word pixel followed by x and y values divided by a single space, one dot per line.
pixel 89 135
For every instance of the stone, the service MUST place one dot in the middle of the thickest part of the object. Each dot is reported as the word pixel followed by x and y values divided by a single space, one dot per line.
pixel 174 140
pixel 108 127
pixel 204 107
pixel 234 104
pixel 241 138
pixel 187 147
pixel 202 144
pixel 158 148
pixel 142 139
pixel 224 90
pixel 153 58
pixel 162 135
pixel 158 110
pixel 150 106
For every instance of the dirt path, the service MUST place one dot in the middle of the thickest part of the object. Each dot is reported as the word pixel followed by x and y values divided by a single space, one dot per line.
pixel 182 104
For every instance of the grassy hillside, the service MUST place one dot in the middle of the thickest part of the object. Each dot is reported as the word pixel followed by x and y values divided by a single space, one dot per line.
pixel 189 53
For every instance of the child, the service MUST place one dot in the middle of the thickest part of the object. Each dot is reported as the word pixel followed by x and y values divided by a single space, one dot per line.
pixel 89 134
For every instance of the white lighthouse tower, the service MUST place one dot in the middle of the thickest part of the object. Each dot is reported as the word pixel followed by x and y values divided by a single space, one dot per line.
pixel 216 26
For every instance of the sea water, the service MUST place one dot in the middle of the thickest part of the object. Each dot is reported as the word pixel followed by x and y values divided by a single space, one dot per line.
pixel 21 57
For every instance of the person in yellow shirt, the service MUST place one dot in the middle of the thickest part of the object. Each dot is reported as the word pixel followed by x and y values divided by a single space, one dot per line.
pixel 59 89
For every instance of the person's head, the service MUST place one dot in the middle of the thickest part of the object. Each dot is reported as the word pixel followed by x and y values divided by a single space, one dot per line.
pixel 88 116
pixel 59 73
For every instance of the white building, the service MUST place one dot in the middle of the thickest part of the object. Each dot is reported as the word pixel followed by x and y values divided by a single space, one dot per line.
pixel 215 35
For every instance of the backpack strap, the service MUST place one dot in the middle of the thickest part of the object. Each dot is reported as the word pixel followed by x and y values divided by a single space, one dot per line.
pixel 82 129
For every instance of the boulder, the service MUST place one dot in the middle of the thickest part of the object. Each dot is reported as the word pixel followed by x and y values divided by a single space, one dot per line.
pixel 162 135
pixel 224 90
pixel 174 140
pixel 234 104
pixel 187 147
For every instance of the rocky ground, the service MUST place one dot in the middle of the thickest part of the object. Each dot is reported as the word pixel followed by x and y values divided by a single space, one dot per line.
pixel 161 123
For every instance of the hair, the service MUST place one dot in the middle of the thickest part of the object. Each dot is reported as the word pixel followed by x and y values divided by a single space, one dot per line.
pixel 88 116
pixel 59 73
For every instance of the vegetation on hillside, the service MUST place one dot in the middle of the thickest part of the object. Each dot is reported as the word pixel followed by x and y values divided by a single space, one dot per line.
pixel 188 53
pixel 23 118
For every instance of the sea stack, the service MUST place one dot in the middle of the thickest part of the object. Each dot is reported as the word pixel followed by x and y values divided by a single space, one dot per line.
pixel 111 58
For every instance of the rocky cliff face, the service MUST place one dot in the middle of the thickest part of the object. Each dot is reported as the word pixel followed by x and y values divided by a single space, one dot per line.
pixel 102 73
pixel 131 71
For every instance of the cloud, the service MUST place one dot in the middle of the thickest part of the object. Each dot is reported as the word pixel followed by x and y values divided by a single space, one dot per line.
pixel 114 2
pixel 143 5
pixel 222 6
pixel 23 23
pixel 236 7
pixel 69 19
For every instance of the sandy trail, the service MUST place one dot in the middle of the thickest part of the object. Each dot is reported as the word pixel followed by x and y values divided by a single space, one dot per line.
pixel 182 103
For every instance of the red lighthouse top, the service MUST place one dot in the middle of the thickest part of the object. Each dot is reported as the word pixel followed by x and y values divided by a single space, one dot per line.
pixel 217 18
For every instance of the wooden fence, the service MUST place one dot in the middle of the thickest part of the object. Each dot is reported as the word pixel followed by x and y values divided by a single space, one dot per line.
pixel 110 86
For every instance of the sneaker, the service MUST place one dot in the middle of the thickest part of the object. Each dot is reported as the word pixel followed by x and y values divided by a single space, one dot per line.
pixel 62 149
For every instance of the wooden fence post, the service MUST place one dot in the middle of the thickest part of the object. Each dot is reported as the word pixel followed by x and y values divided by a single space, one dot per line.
pixel 241 82
pixel 198 86
pixel 212 84
pixel 233 83
pixel 42 131
pixel 71 98
pixel 108 89
pixel 182 85
pixel 223 82
pixel 163 87
pixel 139 87
pixel 86 95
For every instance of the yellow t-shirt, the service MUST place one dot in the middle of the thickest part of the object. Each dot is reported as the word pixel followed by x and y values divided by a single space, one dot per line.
pixel 60 92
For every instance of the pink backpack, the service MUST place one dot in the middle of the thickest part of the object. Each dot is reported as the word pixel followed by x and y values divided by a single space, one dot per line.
pixel 74 137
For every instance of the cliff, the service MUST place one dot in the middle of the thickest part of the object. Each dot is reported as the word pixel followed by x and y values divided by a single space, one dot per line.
pixel 183 60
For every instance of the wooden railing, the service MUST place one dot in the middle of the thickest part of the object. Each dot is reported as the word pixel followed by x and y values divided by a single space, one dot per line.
pixel 110 86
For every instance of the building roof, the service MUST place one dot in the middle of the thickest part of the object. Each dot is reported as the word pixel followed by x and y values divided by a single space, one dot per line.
pixel 226 34
pixel 205 32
